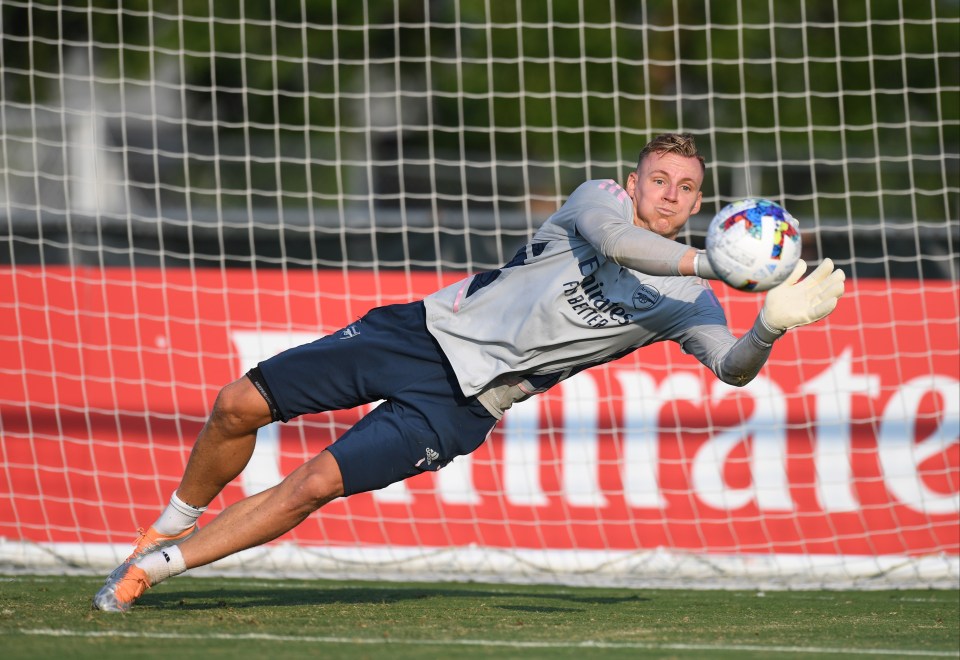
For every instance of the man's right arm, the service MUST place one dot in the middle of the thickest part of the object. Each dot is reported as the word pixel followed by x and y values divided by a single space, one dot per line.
pixel 640 249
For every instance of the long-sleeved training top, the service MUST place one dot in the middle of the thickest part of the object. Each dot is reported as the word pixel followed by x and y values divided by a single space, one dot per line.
pixel 590 287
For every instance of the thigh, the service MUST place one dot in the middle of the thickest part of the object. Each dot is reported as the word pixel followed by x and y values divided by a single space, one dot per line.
pixel 369 360
pixel 395 441
pixel 389 444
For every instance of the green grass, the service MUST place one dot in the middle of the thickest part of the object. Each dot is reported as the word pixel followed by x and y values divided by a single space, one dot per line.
pixel 48 617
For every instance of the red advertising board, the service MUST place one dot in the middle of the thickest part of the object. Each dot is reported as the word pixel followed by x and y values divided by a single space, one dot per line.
pixel 847 443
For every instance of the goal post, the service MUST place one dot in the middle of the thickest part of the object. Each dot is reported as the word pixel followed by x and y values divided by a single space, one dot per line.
pixel 185 193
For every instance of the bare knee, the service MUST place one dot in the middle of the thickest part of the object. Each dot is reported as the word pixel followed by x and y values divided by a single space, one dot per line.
pixel 314 483
pixel 240 409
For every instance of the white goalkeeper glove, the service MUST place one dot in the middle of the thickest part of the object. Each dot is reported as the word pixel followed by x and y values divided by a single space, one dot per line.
pixel 793 303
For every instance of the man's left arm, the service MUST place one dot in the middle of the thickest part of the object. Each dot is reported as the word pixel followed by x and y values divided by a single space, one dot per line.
pixel 791 304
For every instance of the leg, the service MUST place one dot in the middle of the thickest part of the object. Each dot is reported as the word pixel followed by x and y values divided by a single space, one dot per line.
pixel 225 444
pixel 433 424
pixel 250 522
pixel 265 516
pixel 222 450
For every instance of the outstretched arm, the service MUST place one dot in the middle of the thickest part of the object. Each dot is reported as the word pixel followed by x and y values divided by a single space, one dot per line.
pixel 791 304
pixel 640 249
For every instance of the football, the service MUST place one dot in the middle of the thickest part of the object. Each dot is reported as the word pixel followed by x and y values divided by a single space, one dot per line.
pixel 753 244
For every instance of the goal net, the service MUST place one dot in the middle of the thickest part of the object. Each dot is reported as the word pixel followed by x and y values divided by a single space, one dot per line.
pixel 189 188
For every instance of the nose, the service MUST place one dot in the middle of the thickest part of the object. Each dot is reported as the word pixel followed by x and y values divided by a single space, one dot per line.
pixel 670 193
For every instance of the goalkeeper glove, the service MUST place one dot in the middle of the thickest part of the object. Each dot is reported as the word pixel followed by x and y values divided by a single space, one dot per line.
pixel 791 304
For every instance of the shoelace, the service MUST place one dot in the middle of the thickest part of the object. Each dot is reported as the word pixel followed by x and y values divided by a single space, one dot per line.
pixel 140 584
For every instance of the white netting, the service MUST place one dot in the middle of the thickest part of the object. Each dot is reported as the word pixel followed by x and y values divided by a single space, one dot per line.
pixel 185 193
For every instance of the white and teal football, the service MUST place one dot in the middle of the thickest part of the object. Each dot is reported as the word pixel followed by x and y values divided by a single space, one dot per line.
pixel 753 244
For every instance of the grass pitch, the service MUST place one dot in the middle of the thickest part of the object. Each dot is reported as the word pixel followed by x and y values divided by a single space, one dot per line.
pixel 50 617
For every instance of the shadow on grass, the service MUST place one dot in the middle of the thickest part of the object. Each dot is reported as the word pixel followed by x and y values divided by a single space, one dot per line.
pixel 187 597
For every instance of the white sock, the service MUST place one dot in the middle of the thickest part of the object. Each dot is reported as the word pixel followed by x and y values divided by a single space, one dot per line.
pixel 162 564
pixel 178 516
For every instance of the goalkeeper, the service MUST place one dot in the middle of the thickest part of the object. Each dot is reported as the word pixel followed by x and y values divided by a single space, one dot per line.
pixel 602 277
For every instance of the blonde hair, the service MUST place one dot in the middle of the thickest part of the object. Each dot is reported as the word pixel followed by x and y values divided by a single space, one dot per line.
pixel 681 144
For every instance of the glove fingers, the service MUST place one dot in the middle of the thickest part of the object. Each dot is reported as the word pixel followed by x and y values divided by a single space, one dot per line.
pixel 790 305
pixel 795 276
pixel 824 270
pixel 833 286
pixel 837 276
pixel 823 309
pixel 828 296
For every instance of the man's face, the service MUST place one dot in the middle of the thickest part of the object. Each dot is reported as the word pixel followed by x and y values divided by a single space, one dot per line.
pixel 665 191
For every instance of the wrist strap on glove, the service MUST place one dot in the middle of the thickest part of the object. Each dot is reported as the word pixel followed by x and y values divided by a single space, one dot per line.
pixel 702 267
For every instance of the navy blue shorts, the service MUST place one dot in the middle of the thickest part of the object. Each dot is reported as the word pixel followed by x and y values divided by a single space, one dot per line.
pixel 424 421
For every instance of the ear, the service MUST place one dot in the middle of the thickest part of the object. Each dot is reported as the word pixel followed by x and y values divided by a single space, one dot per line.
pixel 696 204
pixel 631 184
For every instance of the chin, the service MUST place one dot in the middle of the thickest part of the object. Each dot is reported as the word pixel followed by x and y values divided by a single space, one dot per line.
pixel 667 231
